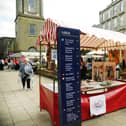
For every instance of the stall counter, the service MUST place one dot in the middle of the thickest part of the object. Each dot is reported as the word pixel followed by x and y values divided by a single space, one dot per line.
pixel 115 99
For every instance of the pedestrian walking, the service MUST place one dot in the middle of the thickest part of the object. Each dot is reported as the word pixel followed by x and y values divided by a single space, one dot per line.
pixel 16 64
pixel 1 64
pixel 6 63
pixel 26 72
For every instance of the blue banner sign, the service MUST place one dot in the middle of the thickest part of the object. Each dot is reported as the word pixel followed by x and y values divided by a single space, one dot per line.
pixel 68 41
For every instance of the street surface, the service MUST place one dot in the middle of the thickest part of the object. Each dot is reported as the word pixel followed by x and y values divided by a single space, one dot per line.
pixel 20 107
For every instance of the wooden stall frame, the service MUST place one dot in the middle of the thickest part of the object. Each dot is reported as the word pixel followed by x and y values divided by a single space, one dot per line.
pixel 101 67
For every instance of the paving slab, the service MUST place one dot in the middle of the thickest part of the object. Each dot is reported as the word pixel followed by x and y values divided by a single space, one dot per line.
pixel 20 107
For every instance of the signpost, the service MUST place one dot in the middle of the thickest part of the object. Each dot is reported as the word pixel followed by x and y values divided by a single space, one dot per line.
pixel 69 76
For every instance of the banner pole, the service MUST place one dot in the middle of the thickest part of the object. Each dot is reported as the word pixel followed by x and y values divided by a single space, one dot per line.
pixel 40 72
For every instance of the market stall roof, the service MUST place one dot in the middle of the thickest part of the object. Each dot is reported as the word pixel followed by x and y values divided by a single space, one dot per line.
pixel 100 38
pixel 90 38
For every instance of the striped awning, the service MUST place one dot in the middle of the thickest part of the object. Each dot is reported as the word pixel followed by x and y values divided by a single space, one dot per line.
pixel 49 32
pixel 90 38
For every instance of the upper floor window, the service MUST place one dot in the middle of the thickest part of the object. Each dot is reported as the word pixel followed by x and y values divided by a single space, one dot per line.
pixel 109 13
pixel 114 10
pixel 109 25
pixel 115 22
pixel 118 8
pixel 121 6
pixel 32 6
pixel 124 32
pixel 106 15
pixel 103 16
pixel 103 26
pixel 121 20
pixel 106 25
pixel 32 29
pixel 19 5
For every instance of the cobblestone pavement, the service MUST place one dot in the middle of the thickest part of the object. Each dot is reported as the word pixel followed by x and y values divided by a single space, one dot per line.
pixel 20 107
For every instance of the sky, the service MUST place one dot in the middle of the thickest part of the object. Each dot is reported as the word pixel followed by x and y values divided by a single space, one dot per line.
pixel 78 12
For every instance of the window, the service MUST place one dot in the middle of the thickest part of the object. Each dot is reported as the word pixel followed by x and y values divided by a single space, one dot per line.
pixel 121 6
pixel 32 29
pixel 106 25
pixel 103 26
pixel 121 20
pixel 117 8
pixel 114 10
pixel 19 5
pixel 32 49
pixel 124 32
pixel 109 25
pixel 103 16
pixel 106 15
pixel 109 13
pixel 115 22
pixel 32 6
pixel 112 24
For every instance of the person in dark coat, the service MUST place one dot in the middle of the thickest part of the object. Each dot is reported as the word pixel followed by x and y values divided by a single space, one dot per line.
pixel 1 64
pixel 83 69
pixel 123 64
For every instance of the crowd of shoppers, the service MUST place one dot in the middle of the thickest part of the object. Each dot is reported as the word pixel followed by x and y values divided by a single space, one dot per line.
pixel 9 63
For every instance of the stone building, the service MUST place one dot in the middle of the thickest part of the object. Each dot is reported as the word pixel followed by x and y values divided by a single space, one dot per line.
pixel 7 46
pixel 113 16
pixel 29 21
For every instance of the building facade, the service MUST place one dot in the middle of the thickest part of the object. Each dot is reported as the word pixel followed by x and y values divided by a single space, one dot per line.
pixel 113 16
pixel 28 23
pixel 7 46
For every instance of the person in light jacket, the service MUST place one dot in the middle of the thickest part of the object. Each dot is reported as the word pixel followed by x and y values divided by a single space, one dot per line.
pixel 26 72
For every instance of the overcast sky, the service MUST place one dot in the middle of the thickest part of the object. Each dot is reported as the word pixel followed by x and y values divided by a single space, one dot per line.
pixel 79 12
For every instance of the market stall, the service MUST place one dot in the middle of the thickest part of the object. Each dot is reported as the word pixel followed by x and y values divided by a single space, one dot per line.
pixel 106 92
pixel 115 99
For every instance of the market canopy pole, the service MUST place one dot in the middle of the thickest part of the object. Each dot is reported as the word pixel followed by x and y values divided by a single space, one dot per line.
pixel 40 66
pixel 120 59
pixel 104 54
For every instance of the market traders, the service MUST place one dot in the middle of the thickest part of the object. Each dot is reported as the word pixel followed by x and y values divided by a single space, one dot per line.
pixel 83 69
